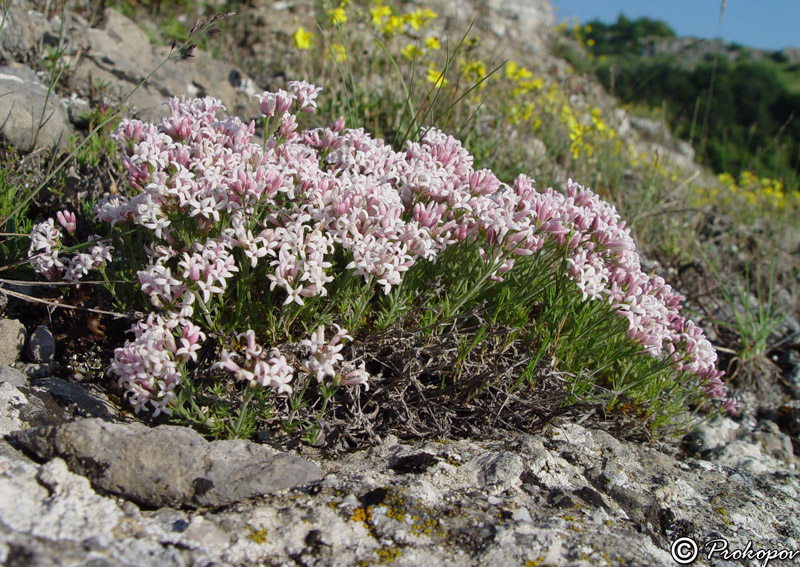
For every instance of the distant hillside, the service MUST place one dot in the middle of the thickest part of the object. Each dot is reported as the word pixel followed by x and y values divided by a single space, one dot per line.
pixel 750 121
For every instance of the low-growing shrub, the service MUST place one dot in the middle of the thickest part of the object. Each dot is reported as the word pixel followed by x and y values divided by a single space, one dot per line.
pixel 261 261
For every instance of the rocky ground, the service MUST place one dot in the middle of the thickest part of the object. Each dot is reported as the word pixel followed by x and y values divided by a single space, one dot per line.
pixel 106 491
pixel 84 484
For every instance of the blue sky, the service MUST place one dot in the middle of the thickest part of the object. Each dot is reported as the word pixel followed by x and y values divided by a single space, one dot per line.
pixel 766 24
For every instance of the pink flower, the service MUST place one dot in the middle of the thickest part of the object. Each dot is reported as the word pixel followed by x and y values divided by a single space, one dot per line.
pixel 272 104
pixel 67 220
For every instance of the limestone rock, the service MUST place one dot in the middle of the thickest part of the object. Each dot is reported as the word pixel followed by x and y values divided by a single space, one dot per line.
pixel 120 54
pixel 25 105
pixel 13 376
pixel 80 400
pixel 167 465
pixel 12 340
pixel 22 407
pixel 522 25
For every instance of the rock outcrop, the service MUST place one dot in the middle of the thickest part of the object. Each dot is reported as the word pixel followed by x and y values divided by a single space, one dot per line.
pixel 83 483
pixel 568 496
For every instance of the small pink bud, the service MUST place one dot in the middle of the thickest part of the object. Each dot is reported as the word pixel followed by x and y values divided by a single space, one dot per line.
pixel 67 220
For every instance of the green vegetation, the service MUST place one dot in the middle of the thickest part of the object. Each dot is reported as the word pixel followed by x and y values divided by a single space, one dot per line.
pixel 738 110
pixel 452 329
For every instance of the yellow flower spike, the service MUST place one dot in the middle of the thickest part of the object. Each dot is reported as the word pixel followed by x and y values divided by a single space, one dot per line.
pixel 411 51
pixel 510 69
pixel 527 112
pixel 337 16
pixel 436 77
pixel 339 52
pixel 428 14
pixel 473 71
pixel 748 178
pixel 516 73
pixel 393 26
pixel 533 84
pixel 418 18
pixel 523 74
pixel 303 39
pixel 380 14
pixel 432 43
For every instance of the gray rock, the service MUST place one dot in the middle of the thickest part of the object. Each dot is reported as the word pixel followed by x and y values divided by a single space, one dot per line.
pixel 82 401
pixel 22 407
pixel 34 370
pixel 25 32
pixel 763 450
pixel 167 465
pixel 708 436
pixel 121 56
pixel 465 502
pixel 521 24
pixel 13 376
pixel 653 130
pixel 77 109
pixel 12 340
pixel 41 345
pixel 12 400
pixel 23 122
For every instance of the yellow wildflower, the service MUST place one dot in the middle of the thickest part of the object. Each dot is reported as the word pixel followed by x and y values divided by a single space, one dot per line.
pixel 511 68
pixel 337 16
pixel 413 19
pixel 516 73
pixel 380 14
pixel 393 26
pixel 436 77
pixel 419 18
pixel 473 71
pixel 411 51
pixel 727 180
pixel 432 43
pixel 532 84
pixel 303 39
pixel 339 52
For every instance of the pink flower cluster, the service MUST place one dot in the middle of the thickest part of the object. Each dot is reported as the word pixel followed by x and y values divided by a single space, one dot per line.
pixel 286 205
pixel 274 371
pixel 46 243
pixel 148 367
pixel 260 368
